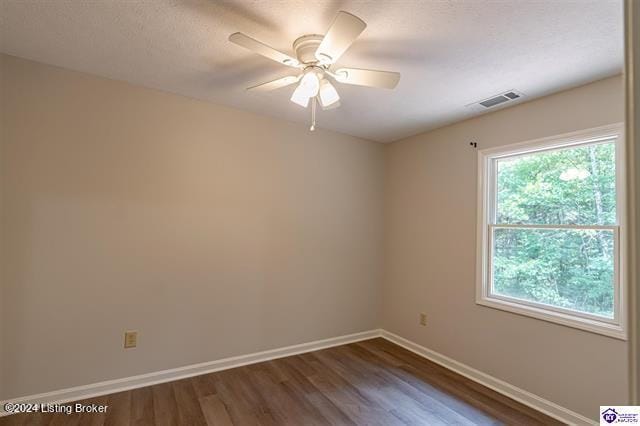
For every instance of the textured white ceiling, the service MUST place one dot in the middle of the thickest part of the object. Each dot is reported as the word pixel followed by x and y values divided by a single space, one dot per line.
pixel 449 53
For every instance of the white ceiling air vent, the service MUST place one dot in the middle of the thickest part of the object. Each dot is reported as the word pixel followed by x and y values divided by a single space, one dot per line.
pixel 494 101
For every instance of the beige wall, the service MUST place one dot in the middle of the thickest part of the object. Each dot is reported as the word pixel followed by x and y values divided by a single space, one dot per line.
pixel 216 232
pixel 211 231
pixel 430 254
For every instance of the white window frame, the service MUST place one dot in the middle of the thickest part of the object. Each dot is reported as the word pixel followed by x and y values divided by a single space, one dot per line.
pixel 487 183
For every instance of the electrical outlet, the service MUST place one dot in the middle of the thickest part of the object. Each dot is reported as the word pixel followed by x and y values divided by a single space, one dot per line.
pixel 423 319
pixel 130 339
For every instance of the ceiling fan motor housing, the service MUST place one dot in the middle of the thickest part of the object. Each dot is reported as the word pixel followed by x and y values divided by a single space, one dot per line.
pixel 306 46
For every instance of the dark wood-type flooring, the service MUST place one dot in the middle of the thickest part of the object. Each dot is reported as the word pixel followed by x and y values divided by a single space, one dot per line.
pixel 373 382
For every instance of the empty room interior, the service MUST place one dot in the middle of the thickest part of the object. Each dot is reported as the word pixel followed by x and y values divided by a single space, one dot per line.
pixel 287 212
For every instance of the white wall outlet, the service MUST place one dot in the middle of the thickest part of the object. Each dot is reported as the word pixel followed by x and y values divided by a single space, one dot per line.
pixel 423 319
pixel 130 339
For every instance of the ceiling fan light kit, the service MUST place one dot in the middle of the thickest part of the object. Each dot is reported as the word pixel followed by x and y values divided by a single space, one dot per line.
pixel 315 56
pixel 328 94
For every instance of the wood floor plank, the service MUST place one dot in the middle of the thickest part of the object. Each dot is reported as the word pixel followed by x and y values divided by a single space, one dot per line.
pixel 284 408
pixel 457 385
pixel 189 412
pixel 340 390
pixel 493 403
pixel 298 384
pixel 381 390
pixel 238 407
pixel 304 394
pixel 97 419
pixel 215 412
pixel 205 385
pixel 394 366
pixel 165 409
pixel 142 407
pixel 119 411
pixel 373 382
pixel 31 419
pixel 435 407
pixel 37 419
pixel 348 396
pixel 246 387
pixel 371 416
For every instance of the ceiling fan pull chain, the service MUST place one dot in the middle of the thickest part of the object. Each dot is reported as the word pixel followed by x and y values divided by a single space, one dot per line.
pixel 313 114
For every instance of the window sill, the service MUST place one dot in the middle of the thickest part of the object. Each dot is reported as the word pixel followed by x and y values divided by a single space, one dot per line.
pixel 594 326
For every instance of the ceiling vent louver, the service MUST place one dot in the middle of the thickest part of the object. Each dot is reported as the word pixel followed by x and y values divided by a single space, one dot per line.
pixel 493 101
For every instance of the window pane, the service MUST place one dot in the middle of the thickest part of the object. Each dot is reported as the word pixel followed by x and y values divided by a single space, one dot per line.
pixel 568 186
pixel 567 268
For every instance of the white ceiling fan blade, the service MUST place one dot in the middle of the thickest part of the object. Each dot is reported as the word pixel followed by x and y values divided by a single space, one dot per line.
pixel 275 84
pixel 370 78
pixel 344 30
pixel 262 49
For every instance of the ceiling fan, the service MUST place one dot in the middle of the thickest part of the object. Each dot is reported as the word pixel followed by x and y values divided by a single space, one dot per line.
pixel 315 56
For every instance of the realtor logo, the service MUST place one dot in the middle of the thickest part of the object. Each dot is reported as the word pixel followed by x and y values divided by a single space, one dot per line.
pixel 616 414
pixel 609 415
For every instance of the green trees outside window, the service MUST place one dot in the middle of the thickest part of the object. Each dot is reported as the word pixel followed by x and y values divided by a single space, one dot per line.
pixel 554 228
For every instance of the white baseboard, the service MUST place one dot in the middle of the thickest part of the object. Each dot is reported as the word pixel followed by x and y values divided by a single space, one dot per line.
pixel 527 398
pixel 118 385
pixel 127 383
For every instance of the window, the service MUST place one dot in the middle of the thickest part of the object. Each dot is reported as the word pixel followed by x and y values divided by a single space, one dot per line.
pixel 550 230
